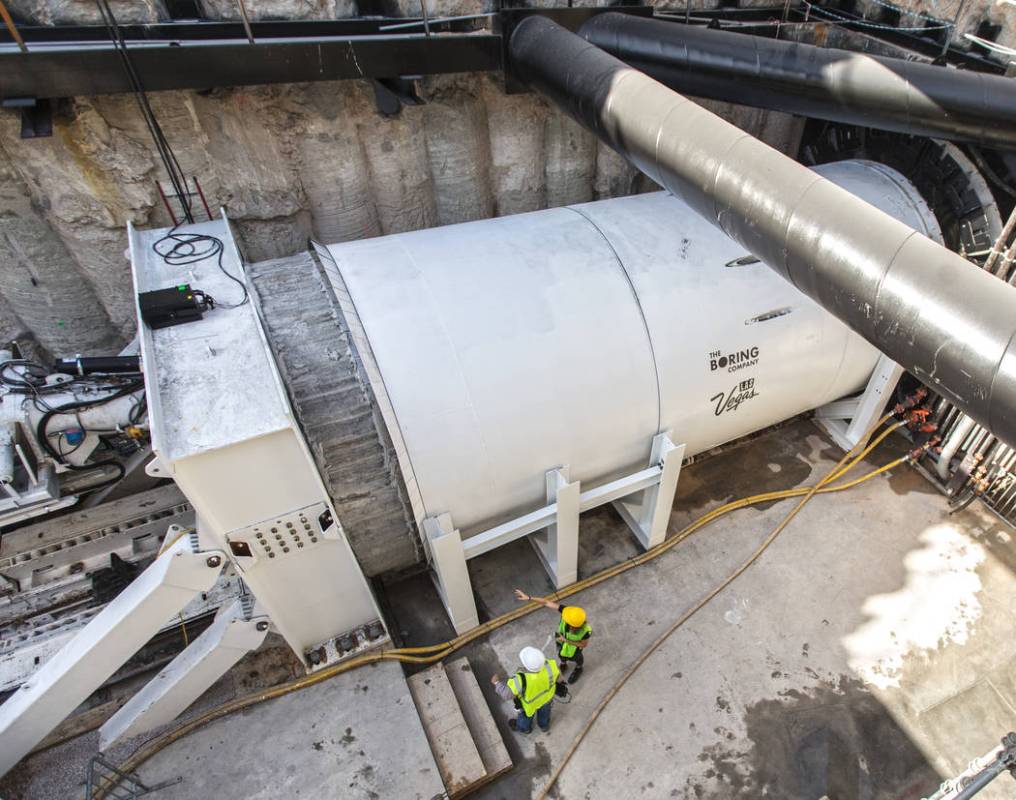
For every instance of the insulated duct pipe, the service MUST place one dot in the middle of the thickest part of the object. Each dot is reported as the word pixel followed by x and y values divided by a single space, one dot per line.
pixel 949 323
pixel 873 91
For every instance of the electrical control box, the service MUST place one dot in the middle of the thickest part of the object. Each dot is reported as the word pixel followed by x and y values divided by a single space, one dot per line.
pixel 176 305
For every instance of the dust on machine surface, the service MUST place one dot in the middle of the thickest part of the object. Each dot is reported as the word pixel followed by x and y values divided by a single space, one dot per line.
pixel 618 402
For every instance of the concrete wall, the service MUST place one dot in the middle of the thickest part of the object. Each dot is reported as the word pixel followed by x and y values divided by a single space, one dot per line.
pixel 287 162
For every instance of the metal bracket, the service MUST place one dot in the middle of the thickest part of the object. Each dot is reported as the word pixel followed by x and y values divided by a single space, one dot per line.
pixel 391 94
pixel 558 545
pixel 648 516
pixel 847 420
pixel 451 576
pixel 36 116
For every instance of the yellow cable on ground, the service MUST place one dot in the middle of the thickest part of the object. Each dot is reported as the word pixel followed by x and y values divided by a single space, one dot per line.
pixel 433 653
pixel 836 472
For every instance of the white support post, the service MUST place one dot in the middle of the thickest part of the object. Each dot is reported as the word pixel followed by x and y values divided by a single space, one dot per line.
pixel 450 572
pixel 103 645
pixel 847 420
pixel 558 545
pixel 648 519
pixel 232 635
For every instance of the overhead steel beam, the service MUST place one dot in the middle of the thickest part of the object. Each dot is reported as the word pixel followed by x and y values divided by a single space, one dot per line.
pixel 69 60
pixel 187 30
pixel 72 69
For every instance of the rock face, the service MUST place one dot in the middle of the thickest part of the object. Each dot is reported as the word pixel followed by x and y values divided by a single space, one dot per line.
pixel 290 162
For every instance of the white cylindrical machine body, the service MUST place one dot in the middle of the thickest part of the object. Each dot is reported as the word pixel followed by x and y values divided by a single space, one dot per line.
pixel 504 348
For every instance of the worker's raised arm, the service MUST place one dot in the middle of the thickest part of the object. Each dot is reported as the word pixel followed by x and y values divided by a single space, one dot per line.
pixel 551 604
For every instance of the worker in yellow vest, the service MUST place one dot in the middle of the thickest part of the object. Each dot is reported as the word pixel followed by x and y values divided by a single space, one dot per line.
pixel 573 632
pixel 531 689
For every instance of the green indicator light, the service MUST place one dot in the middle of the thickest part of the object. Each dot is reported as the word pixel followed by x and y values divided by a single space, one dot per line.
pixel 182 287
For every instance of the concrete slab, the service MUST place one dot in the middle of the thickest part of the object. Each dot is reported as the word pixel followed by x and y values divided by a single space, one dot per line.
pixel 356 736
pixel 475 711
pixel 451 741
pixel 947 725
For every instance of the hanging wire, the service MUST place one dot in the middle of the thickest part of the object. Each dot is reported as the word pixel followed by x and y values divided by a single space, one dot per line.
pixel 837 19
pixel 166 154
pixel 246 21
pixel 12 29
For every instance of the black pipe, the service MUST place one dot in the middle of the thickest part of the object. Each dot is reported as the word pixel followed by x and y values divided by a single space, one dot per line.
pixel 859 89
pixel 948 322
pixel 91 365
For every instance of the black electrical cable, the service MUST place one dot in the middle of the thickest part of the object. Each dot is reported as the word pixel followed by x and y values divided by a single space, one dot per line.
pixel 990 173
pixel 183 249
pixel 169 161
pixel 80 405
pixel 138 411
pixel 21 382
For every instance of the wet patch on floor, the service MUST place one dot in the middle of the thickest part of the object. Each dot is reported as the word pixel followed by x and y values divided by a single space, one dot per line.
pixel 904 480
pixel 714 480
pixel 834 740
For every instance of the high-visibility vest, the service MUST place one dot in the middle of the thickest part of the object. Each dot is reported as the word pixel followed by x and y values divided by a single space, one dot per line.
pixel 535 689
pixel 568 650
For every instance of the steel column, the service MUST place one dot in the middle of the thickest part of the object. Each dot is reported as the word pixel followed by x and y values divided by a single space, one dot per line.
pixel 450 572
pixel 558 545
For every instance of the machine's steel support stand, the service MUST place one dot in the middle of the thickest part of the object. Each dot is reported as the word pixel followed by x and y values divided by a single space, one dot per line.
pixel 102 646
pixel 558 545
pixel 554 529
pixel 234 633
pixel 648 518
pixel 450 572
pixel 846 420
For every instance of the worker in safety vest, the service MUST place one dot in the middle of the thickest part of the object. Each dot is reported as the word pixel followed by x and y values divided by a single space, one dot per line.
pixel 573 632
pixel 531 689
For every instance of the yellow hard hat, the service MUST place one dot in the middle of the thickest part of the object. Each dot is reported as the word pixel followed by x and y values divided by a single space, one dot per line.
pixel 574 616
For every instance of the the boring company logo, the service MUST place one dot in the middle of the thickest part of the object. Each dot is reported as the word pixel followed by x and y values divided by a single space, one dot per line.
pixel 732 362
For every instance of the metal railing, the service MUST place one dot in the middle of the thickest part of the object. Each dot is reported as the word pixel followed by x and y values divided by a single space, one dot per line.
pixel 107 781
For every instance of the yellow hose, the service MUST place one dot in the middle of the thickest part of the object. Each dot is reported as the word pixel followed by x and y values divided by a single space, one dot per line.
pixel 432 653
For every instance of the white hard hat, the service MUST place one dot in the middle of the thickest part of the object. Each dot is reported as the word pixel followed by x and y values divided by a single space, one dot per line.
pixel 532 659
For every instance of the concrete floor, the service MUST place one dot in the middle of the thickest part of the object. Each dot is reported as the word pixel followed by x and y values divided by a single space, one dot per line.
pixel 356 736
pixel 868 654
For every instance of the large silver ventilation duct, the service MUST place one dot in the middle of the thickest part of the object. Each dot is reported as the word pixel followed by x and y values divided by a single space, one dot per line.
pixel 949 323
pixel 856 88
